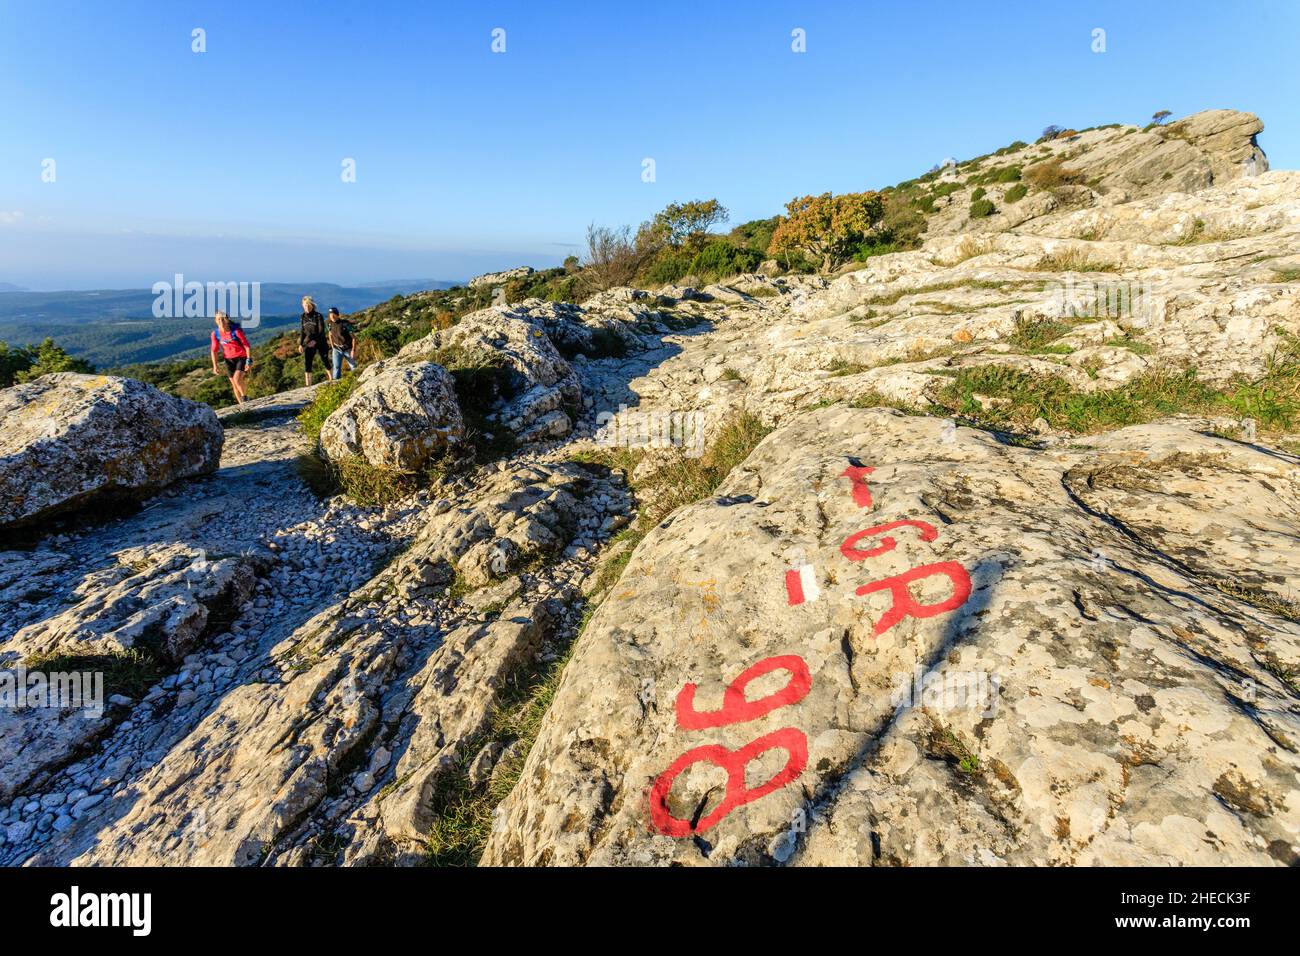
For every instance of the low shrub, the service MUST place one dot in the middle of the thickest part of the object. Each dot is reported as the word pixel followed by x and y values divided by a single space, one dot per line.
pixel 722 258
pixel 1073 260
pixel 326 401
pixel 981 208
pixel 1051 174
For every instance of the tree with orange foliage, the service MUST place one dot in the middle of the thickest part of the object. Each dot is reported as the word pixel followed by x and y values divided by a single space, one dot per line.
pixel 827 227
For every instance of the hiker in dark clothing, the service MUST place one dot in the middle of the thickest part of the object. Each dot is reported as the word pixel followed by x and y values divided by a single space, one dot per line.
pixel 312 341
pixel 229 339
pixel 341 342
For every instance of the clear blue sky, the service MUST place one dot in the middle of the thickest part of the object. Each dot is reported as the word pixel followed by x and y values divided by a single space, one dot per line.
pixel 226 165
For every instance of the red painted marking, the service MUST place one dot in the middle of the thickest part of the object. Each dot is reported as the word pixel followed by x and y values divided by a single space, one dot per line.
pixel 905 605
pixel 735 708
pixel 789 739
pixel 793 587
pixel 887 543
pixel 858 475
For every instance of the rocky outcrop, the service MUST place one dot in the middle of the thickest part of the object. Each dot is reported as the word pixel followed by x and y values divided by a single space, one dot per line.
pixel 70 440
pixel 1095 297
pixel 345 738
pixel 892 640
pixel 536 388
pixel 401 416
pixel 159 602
pixel 1107 165
pixel 500 278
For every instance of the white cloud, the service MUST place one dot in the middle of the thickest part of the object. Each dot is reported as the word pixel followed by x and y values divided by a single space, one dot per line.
pixel 9 218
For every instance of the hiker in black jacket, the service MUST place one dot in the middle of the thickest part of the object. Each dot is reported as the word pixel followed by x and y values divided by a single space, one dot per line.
pixel 312 341
pixel 341 341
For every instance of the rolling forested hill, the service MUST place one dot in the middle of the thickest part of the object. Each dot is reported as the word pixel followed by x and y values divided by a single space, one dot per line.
pixel 114 327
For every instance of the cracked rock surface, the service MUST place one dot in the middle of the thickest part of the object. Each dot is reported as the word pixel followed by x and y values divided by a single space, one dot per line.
pixel 1122 708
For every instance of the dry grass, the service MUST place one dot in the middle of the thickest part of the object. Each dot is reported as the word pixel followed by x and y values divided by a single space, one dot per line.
pixel 1052 174
pixel 1073 260
pixel 970 248
pixel 1199 234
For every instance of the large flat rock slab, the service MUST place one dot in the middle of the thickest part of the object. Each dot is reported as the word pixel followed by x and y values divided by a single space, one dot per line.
pixel 893 640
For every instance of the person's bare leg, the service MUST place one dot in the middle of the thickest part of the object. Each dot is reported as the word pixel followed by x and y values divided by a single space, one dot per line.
pixel 237 380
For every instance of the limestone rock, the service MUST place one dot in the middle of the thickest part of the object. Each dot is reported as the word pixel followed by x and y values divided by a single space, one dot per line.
pixel 500 278
pixel 986 654
pixel 458 688
pixel 162 600
pixel 535 383
pixel 349 689
pixel 71 439
pixel 1118 164
pixel 401 416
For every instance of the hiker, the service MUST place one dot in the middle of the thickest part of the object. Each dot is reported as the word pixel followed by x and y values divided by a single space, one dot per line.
pixel 311 339
pixel 341 342
pixel 229 338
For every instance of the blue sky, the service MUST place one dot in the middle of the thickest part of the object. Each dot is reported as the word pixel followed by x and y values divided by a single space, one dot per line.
pixel 225 165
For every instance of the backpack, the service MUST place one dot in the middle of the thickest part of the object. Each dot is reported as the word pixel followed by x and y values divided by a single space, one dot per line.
pixel 311 328
pixel 340 334
pixel 233 340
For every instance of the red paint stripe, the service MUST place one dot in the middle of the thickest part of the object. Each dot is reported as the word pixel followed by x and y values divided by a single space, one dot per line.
pixel 793 586
pixel 858 475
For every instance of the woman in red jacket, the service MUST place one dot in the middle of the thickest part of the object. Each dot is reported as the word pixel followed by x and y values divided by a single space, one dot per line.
pixel 236 352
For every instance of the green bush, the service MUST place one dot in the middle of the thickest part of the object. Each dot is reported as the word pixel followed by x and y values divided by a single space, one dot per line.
pixel 215 391
pixel 414 332
pixel 385 335
pixel 721 258
pixel 978 194
pixel 1016 193
pixel 981 208
pixel 665 268
pixel 327 399
pixel 27 362
pixel 875 248
pixel 1009 174
pixel 795 261
pixel 755 234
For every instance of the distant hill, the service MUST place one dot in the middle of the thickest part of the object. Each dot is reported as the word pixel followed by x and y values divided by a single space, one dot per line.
pixel 112 327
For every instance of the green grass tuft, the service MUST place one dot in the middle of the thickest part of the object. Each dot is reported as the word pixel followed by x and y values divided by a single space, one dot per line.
pixel 129 673
pixel 325 402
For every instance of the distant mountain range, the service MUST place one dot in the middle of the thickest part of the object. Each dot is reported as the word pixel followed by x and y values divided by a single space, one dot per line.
pixel 113 327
